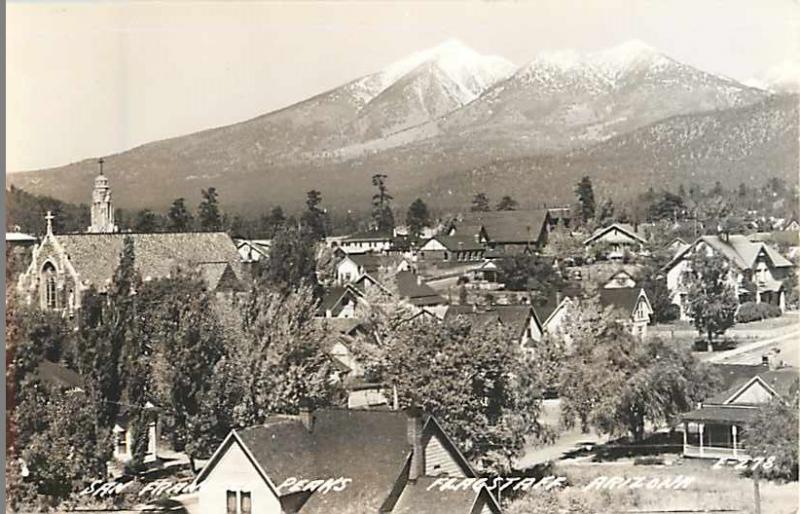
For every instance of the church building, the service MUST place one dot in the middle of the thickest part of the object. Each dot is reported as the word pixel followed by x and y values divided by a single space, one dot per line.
pixel 64 266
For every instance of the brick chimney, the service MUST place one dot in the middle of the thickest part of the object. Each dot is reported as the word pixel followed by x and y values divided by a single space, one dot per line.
pixel 414 435
pixel 307 418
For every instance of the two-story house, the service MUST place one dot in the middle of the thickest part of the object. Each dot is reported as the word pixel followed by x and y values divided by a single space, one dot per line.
pixel 757 271
pixel 337 461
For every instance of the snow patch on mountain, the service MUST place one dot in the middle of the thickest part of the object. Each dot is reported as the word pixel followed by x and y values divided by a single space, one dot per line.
pixel 471 72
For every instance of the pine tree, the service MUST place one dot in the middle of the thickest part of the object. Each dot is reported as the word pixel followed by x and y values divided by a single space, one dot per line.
pixel 417 217
pixel 586 200
pixel 506 204
pixel 382 216
pixel 146 221
pixel 208 213
pixel 315 219
pixel 480 203
pixel 180 219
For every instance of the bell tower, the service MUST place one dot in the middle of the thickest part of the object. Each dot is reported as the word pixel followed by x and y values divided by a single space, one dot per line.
pixel 102 209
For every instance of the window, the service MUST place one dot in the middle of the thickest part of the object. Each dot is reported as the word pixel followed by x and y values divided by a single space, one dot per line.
pixel 246 503
pixel 230 498
pixel 238 502
pixel 49 293
pixel 122 443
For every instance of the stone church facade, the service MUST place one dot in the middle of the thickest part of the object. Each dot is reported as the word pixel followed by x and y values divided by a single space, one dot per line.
pixel 64 266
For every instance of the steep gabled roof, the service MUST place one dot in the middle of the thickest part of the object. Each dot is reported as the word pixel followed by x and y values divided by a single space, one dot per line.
pixel 622 227
pixel 512 316
pixel 737 249
pixel 219 276
pixel 371 447
pixel 777 382
pixel 623 300
pixel 96 256
pixel 424 496
pixel 507 226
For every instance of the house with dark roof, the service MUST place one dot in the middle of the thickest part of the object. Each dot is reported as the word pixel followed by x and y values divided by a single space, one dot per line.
pixel 413 289
pixel 630 306
pixel 337 461
pixel 714 429
pixel 553 310
pixel 522 320
pixel 451 249
pixel 506 231
pixel 616 239
pixel 756 270
pixel 353 266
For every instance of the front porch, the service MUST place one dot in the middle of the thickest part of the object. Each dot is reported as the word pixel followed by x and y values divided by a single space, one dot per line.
pixel 713 440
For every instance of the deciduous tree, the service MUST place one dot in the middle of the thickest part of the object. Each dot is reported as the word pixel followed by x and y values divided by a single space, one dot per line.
pixel 711 297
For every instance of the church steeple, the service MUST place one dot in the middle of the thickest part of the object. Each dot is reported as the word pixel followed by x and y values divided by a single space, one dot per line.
pixel 102 209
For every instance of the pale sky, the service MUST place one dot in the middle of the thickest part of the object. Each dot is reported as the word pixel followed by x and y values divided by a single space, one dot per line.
pixel 89 79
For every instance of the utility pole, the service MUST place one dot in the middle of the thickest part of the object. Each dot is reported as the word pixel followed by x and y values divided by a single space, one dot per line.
pixel 756 493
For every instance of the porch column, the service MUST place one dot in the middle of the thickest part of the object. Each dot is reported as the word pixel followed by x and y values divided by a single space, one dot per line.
pixel 782 300
pixel 733 433
pixel 685 436
pixel 700 426
pixel 758 295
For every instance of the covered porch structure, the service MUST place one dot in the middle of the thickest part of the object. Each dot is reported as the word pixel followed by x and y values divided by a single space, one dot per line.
pixel 715 431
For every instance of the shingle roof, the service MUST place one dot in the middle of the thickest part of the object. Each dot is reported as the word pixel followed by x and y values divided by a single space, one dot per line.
pixel 463 243
pixel 733 374
pixel 423 497
pixel 369 262
pixel 622 227
pixel 512 316
pixel 412 287
pixel 96 256
pixel 507 226
pixel 720 413
pixel 622 299
pixel 781 380
pixel 369 446
pixel 219 276
pixel 737 249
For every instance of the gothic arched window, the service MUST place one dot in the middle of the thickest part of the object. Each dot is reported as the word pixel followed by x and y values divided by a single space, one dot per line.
pixel 49 292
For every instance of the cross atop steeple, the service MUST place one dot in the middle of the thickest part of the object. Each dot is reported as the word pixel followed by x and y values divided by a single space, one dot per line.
pixel 100 161
pixel 49 217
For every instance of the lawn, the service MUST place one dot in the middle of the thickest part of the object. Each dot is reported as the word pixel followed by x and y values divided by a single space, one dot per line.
pixel 710 490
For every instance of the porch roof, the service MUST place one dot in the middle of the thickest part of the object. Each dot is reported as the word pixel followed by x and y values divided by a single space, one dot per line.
pixel 721 414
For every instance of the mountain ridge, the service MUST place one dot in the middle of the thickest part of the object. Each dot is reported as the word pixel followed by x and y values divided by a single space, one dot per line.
pixel 420 128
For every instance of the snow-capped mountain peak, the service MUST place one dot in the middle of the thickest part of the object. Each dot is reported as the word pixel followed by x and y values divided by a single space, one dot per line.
pixel 608 63
pixel 471 71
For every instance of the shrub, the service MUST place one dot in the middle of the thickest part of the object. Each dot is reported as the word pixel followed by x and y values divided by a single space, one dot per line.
pixel 751 311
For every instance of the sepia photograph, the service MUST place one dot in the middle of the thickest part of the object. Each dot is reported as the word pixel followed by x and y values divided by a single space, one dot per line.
pixel 373 257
